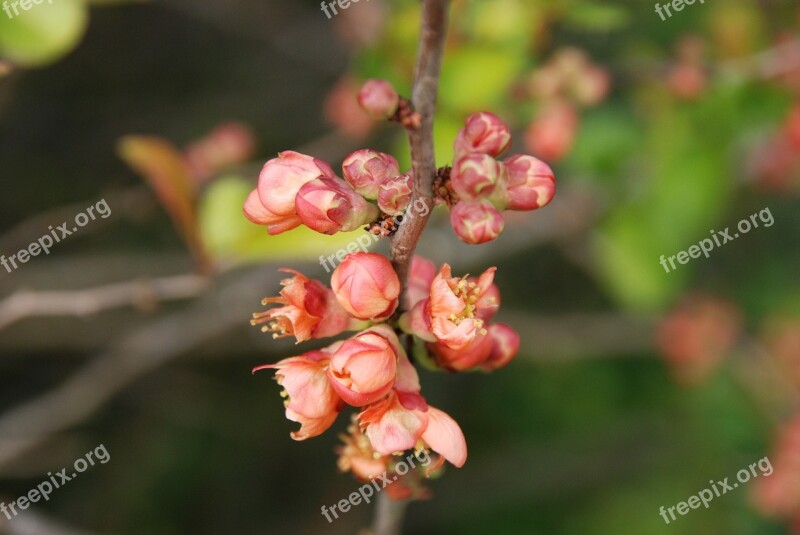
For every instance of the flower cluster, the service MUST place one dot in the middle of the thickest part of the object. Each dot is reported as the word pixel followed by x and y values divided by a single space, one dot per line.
pixel 480 186
pixel 296 189
pixel 371 370
pixel 567 82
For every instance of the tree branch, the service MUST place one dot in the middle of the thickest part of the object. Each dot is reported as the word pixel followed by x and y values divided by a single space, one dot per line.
pixel 423 158
pixel 140 293
pixel 389 514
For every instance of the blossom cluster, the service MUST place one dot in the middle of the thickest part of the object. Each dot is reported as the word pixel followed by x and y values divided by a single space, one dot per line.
pixel 295 189
pixel 480 186
pixel 371 370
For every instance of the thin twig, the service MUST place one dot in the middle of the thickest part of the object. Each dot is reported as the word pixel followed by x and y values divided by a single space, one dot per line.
pixel 140 293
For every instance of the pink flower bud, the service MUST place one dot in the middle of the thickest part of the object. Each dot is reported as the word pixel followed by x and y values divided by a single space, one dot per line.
pixel 531 183
pixel 363 368
pixel 328 205
pixel 310 398
pixel 282 177
pixel 505 345
pixel 365 170
pixel 255 211
pixel 474 176
pixel 367 286
pixel 484 133
pixel 227 144
pixel 378 98
pixel 476 222
pixel 395 194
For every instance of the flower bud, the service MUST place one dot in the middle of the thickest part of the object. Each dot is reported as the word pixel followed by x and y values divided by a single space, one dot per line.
pixel 475 176
pixel 363 368
pixel 531 183
pixel 328 205
pixel 367 286
pixel 282 177
pixel 395 194
pixel 255 211
pixel 484 133
pixel 476 222
pixel 505 345
pixel 378 98
pixel 365 170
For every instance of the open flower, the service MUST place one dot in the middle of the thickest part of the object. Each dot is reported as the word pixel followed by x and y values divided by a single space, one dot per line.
pixel 451 314
pixel 309 310
pixel 363 368
pixel 403 420
pixel 310 399
pixel 329 205
pixel 366 285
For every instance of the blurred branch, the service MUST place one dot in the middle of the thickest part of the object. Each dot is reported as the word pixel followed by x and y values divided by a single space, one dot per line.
pixel 140 293
pixel 31 522
pixel 131 357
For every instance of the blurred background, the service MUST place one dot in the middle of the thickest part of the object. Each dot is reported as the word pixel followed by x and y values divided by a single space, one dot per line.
pixel 634 387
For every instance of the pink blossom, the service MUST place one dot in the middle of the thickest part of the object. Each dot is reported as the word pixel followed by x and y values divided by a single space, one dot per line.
pixel 328 205
pixel 367 286
pixel 476 222
pixel 483 133
pixel 365 170
pixel 378 98
pixel 363 368
pixel 531 182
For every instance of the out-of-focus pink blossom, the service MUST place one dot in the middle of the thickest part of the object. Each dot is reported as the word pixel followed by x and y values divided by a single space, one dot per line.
pixel 552 132
pixel 226 144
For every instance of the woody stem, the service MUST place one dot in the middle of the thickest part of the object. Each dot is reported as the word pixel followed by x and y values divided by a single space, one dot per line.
pixel 389 513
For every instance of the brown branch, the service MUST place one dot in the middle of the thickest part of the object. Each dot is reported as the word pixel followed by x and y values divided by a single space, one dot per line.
pixel 389 514
pixel 423 158
pixel 140 293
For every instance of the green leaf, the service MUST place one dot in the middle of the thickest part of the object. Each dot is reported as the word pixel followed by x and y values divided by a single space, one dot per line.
pixel 44 33
pixel 229 236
